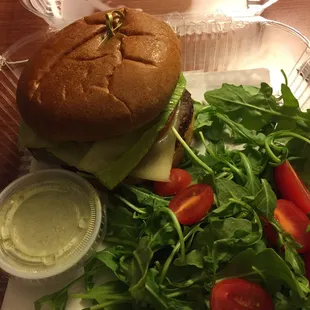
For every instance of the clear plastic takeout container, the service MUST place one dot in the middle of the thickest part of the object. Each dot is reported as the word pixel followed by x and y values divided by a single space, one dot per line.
pixel 209 43
pixel 62 12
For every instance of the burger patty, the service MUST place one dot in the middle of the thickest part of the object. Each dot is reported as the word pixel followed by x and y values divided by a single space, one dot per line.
pixel 185 130
pixel 186 126
pixel 186 113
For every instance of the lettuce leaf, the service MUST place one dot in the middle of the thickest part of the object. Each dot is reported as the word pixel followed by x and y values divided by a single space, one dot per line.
pixel 28 138
pixel 109 160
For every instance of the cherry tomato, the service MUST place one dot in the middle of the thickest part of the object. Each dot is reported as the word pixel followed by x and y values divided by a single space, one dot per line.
pixel 192 204
pixel 291 187
pixel 307 265
pixel 269 232
pixel 238 294
pixel 179 180
pixel 293 221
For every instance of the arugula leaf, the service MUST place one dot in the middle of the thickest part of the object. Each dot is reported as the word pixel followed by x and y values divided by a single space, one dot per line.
pixel 207 122
pixel 295 260
pixel 252 90
pixel 228 98
pixel 252 185
pixel 90 269
pixel 121 223
pixel 193 258
pixel 138 270
pixel 282 302
pixel 229 189
pixel 57 300
pixel 236 232
pixel 264 98
pixel 257 157
pixel 111 258
pixel 161 231
pixel 199 175
pixel 108 291
pixel 192 232
pixel 204 118
pixel 288 97
pixel 257 110
pixel 215 132
pixel 234 227
pixel 255 119
pixel 241 133
pixel 266 263
pixel 265 201
pixel 240 266
pixel 158 299
pixel 276 272
pixel 198 106
pixel 147 198
pixel 218 148
pixel 220 157
pixel 204 241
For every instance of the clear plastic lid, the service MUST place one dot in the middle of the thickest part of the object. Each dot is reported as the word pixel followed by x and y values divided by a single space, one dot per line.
pixel 49 222
pixel 59 13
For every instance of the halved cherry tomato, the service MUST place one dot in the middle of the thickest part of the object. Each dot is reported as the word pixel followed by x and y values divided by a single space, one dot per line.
pixel 293 221
pixel 179 180
pixel 291 187
pixel 269 232
pixel 192 204
pixel 238 294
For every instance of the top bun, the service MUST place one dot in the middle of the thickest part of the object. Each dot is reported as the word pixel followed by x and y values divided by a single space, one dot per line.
pixel 79 88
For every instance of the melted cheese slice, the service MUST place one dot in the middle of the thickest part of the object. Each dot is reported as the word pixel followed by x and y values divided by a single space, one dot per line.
pixel 157 163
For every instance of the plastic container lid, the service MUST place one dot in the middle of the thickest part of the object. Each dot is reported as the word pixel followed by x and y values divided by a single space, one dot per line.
pixel 59 13
pixel 49 223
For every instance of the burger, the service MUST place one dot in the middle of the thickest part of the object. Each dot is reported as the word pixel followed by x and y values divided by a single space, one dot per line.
pixel 101 96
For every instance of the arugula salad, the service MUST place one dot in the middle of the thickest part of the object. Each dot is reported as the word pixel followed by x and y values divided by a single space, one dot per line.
pixel 229 231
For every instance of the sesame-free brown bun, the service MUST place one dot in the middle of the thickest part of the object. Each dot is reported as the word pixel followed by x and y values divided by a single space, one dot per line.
pixel 79 88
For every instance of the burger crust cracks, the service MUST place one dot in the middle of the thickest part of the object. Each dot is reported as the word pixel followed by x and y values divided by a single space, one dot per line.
pixel 79 88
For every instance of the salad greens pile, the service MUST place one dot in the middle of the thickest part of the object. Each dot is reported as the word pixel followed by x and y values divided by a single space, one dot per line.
pixel 241 133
